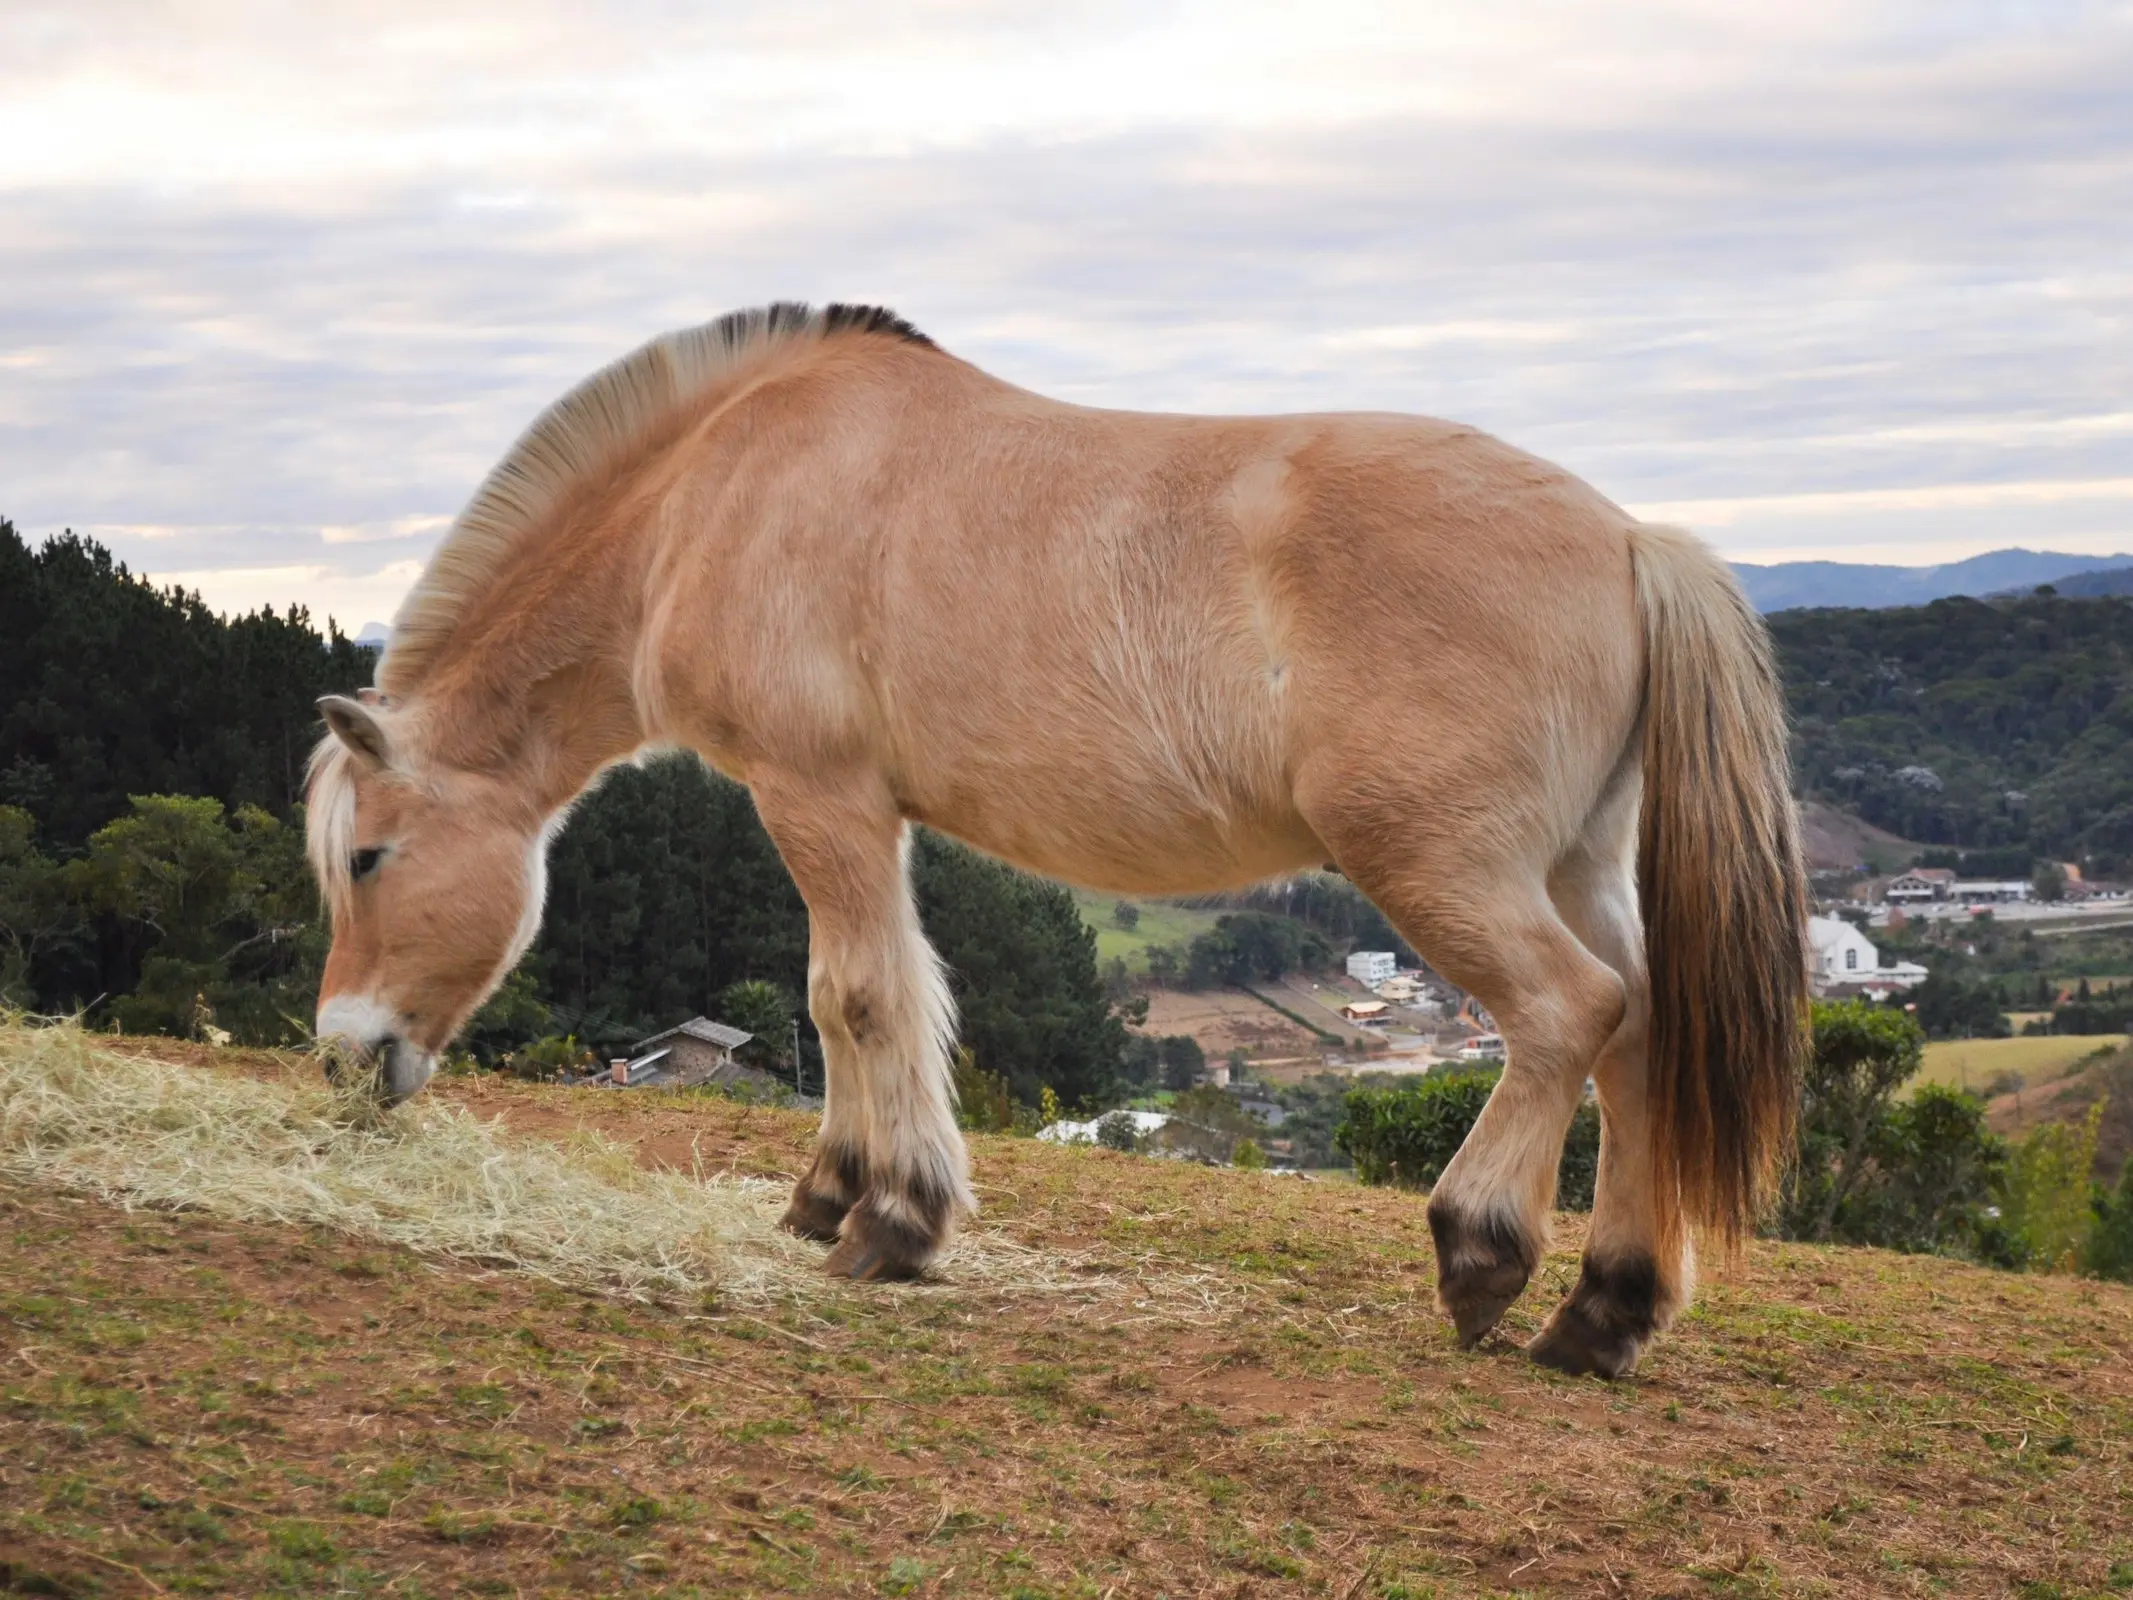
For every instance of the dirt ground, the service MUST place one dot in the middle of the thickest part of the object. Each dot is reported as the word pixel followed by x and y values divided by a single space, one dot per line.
pixel 1223 1020
pixel 1245 1391
pixel 1836 841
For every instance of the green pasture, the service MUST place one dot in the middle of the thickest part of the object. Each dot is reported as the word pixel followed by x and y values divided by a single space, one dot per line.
pixel 1973 1063
pixel 1161 923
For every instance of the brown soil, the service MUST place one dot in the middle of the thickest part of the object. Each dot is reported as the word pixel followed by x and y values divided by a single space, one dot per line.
pixel 1837 841
pixel 1223 1020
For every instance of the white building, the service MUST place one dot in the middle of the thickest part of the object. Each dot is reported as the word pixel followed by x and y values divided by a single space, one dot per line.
pixel 1399 990
pixel 1841 954
pixel 1144 1123
pixel 1372 967
pixel 1483 1047
pixel 1919 885
pixel 1972 892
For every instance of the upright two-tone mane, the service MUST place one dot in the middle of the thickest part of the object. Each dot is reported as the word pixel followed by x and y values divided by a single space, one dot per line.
pixel 1149 654
pixel 582 436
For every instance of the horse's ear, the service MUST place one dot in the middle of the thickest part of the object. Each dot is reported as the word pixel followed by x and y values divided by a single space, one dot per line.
pixel 356 726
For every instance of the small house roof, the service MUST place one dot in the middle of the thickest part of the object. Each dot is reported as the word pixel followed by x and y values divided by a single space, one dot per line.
pixel 702 1028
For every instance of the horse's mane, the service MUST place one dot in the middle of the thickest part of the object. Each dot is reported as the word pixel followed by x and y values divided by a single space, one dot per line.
pixel 586 432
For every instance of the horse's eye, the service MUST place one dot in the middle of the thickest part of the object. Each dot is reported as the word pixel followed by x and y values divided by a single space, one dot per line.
pixel 363 863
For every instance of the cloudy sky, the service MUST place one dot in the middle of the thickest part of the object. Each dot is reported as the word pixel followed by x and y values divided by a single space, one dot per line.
pixel 1825 278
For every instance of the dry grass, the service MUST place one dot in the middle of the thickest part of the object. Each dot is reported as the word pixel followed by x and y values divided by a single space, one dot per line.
pixel 429 1177
pixel 276 1144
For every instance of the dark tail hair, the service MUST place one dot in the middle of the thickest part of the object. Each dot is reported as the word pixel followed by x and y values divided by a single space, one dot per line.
pixel 1723 893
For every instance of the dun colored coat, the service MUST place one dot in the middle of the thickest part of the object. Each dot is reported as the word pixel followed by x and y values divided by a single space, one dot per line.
pixel 1148 654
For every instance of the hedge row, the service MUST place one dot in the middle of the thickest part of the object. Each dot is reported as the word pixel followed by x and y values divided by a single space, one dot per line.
pixel 1408 1135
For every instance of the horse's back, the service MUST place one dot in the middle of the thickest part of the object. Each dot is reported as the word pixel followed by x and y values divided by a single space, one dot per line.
pixel 1106 644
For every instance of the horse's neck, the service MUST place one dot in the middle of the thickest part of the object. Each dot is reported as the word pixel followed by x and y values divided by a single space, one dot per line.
pixel 540 696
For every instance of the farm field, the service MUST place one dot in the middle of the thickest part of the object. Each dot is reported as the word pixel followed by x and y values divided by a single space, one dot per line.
pixel 1222 1020
pixel 1160 923
pixel 1212 1382
pixel 1974 1063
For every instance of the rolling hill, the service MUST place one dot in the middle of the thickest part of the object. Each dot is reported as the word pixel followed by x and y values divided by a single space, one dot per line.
pixel 1789 584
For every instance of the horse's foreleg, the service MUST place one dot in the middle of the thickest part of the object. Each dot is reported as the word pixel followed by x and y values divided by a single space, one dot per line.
pixel 889 1175
pixel 1639 1267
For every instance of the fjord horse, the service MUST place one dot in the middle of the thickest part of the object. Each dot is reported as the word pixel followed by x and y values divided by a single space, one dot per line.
pixel 1147 654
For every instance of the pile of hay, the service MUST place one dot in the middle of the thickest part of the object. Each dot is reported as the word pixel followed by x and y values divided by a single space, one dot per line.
pixel 140 1131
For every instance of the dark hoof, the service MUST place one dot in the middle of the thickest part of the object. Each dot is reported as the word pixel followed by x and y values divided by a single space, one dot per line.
pixel 813 1216
pixel 892 1234
pixel 826 1191
pixel 1482 1266
pixel 1607 1321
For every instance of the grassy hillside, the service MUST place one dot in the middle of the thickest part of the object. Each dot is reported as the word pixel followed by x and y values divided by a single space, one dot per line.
pixel 1160 923
pixel 1200 1382
pixel 1973 1063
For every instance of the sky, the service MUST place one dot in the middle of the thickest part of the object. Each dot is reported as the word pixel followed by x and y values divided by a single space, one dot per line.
pixel 1819 280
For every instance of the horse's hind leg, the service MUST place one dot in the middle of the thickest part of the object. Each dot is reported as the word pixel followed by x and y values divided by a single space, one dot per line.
pixel 889 1173
pixel 1486 923
pixel 1638 1265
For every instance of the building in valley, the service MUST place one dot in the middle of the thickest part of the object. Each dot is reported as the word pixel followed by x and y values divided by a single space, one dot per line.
pixel 1843 961
pixel 1372 967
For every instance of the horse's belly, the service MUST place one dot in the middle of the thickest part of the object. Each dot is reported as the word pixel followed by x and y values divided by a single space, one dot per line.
pixel 1134 834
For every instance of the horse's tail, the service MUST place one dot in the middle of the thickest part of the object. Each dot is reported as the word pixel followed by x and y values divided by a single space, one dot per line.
pixel 1722 891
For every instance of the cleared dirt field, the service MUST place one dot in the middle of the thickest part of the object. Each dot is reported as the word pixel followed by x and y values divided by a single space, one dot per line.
pixel 1837 841
pixel 1239 1388
pixel 1223 1020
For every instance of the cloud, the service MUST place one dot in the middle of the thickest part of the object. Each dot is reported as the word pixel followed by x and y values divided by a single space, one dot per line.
pixel 282 284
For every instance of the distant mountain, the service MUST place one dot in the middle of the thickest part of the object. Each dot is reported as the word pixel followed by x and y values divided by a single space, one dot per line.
pixel 1790 584
pixel 374 633
pixel 2084 585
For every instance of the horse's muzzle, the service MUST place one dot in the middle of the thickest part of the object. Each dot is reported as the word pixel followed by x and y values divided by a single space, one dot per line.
pixel 397 1069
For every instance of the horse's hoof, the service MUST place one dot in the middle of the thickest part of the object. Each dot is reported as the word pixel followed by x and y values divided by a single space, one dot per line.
pixel 1482 1266
pixel 891 1235
pixel 813 1216
pixel 826 1191
pixel 1606 1322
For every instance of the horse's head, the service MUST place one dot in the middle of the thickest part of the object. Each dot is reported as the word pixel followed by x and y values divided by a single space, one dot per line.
pixel 434 877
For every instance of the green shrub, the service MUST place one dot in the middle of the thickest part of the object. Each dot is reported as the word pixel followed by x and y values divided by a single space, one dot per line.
pixel 1862 1055
pixel 556 1056
pixel 1248 1155
pixel 2110 1253
pixel 2047 1193
pixel 1408 1135
pixel 982 1101
pixel 1117 1132
pixel 1932 1169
